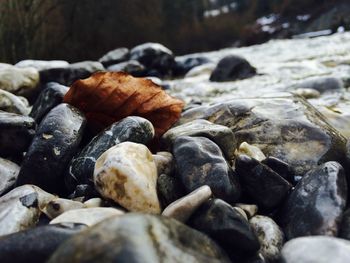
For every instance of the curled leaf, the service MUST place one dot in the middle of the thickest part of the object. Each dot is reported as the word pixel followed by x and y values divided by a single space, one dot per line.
pixel 107 97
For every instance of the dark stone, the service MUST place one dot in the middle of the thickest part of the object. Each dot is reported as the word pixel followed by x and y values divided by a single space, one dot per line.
pixel 280 167
pixel 50 97
pixel 155 57
pixel 36 244
pixel 344 231
pixel 132 67
pixel 115 56
pixel 16 133
pixel 323 84
pixel 8 175
pixel 56 141
pixel 169 189
pixel 231 68
pixel 227 227
pixel 81 168
pixel 136 238
pixel 185 64
pixel 200 162
pixel 84 192
pixel 266 187
pixel 316 205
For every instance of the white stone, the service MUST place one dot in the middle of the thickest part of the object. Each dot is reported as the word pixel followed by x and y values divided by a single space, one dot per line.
pixel 184 207
pixel 42 64
pixel 250 210
pixel 58 206
pixel 251 151
pixel 93 202
pixel 12 103
pixel 127 174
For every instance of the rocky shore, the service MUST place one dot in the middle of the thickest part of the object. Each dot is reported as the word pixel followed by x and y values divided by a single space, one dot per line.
pixel 237 155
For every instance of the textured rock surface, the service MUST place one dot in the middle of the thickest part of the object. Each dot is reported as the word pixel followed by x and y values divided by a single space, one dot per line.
pixel 13 104
pixel 8 175
pixel 169 189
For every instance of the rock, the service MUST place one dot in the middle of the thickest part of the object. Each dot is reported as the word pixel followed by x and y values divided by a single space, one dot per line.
pixel 231 68
pixel 200 162
pixel 36 244
pixel 93 202
pixel 20 208
pixel 183 208
pixel 154 56
pixel 127 174
pixel 59 206
pixel 13 104
pixel 307 93
pixel 164 162
pixel 185 64
pixel 267 188
pixel 19 81
pixel 250 210
pixel 67 75
pixel 42 64
pixel 320 249
pixel 321 84
pixel 16 133
pixel 84 192
pixel 81 168
pixel 270 236
pixel 115 56
pixel 132 67
pixel 205 69
pixel 344 231
pixel 219 134
pixel 169 189
pixel 316 205
pixel 50 97
pixel 287 128
pixel 227 227
pixel 56 141
pixel 8 175
pixel 251 151
pixel 87 216
pixel 280 167
pixel 139 238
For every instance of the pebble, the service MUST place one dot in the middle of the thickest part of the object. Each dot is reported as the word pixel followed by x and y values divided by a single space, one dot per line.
pixel 8 175
pixel 42 64
pixel 164 162
pixel 169 189
pixel 13 104
pixel 250 209
pixel 115 56
pixel 59 206
pixel 251 151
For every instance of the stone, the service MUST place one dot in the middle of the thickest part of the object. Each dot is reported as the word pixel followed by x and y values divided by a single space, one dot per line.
pixel 132 67
pixel 219 134
pixel 267 188
pixel 316 205
pixel 127 174
pixel 169 189
pixel 307 93
pixel 250 150
pixel 137 238
pixel 50 97
pixel 231 68
pixel 250 210
pixel 59 206
pixel 93 202
pixel 154 56
pixel 185 64
pixel 205 69
pixel 270 236
pixel 84 192
pixel 183 208
pixel 16 133
pixel 320 249
pixel 280 167
pixel 227 227
pixel 344 230
pixel 36 244
pixel 42 64
pixel 20 208
pixel 19 81
pixel 164 162
pixel 115 56
pixel 81 168
pixel 286 127
pixel 13 104
pixel 56 141
pixel 321 84
pixel 8 175
pixel 67 75
pixel 200 162
pixel 87 216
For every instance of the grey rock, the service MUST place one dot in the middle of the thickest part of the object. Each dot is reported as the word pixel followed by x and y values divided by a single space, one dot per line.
pixel 164 162
pixel 115 56
pixel 132 67
pixel 169 189
pixel 8 175
pixel 42 64
pixel 321 84
pixel 185 64
pixel 13 104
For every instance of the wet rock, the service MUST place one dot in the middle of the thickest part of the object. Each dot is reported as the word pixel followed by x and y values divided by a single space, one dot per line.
pixel 8 175
pixel 20 208
pixel 320 249
pixel 42 64
pixel 344 231
pixel 87 216
pixel 231 68
pixel 317 203
pixel 183 208
pixel 251 151
pixel 280 167
pixel 84 192
pixel 200 162
pixel 132 67
pixel 205 69
pixel 250 210
pixel 115 56
pixel 37 244
pixel 19 81
pixel 56 141
pixel 164 162
pixel 59 206
pixel 67 75
pixel 219 134
pixel 287 128
pixel 50 97
pixel 13 104
pixel 16 133
pixel 321 84
pixel 127 174
pixel 227 227
pixel 270 236
pixel 118 240
pixel 267 188
pixel 169 189
pixel 133 129
pixel 307 93
pixel 185 64
pixel 155 57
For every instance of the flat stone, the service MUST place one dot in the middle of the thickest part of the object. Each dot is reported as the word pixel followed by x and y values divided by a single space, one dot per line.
pixel 8 175
pixel 13 104
pixel 42 64
pixel 280 167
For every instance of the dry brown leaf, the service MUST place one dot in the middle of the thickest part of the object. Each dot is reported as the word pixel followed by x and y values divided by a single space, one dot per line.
pixel 107 97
